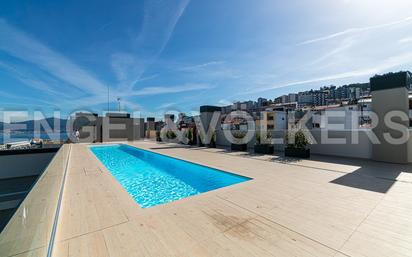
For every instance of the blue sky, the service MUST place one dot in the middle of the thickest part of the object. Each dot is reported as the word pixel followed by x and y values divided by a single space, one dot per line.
pixel 178 54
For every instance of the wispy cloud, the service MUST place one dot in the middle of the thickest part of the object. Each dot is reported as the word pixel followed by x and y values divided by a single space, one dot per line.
pixel 211 70
pixel 165 106
pixel 344 45
pixel 405 40
pixel 159 21
pixel 150 77
pixel 24 47
pixel 385 65
pixel 224 102
pixel 29 80
pixel 170 89
pixel 356 30
pixel 201 66
pixel 32 100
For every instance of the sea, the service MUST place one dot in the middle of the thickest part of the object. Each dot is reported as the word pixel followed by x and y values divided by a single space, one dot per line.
pixel 26 136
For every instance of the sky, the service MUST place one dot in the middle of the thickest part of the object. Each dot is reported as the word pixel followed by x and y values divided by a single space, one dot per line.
pixel 175 55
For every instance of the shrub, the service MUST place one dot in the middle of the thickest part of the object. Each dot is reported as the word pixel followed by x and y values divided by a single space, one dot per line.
pixel 300 140
pixel 268 135
pixel 239 137
pixel 213 139
pixel 158 138
pixel 190 135
pixel 239 134
pixel 170 134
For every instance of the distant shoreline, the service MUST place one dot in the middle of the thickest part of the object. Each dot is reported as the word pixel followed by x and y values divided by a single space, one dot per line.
pixel 28 135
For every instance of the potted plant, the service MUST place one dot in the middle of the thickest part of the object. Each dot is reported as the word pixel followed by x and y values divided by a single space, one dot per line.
pixel 158 138
pixel 263 147
pixel 200 139
pixel 298 147
pixel 212 143
pixel 238 145
pixel 170 135
pixel 190 136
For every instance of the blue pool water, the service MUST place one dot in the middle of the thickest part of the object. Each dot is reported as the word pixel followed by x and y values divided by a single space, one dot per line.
pixel 153 179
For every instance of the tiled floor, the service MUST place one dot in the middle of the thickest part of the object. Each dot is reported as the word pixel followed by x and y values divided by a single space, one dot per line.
pixel 319 207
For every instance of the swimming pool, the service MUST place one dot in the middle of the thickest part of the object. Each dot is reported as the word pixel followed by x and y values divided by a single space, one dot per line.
pixel 153 179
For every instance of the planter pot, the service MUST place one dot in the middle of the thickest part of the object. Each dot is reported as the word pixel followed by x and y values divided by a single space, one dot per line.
pixel 264 149
pixel 158 139
pixel 236 147
pixel 297 152
pixel 211 145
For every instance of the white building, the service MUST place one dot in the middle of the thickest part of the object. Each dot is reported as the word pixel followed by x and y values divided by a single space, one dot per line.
pixel 292 98
pixel 343 117
pixel 271 120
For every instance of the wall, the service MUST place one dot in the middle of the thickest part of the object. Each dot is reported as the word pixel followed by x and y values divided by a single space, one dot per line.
pixel 151 133
pixel 221 139
pixel 223 142
pixel 410 146
pixel 120 129
pixel 21 165
pixel 89 134
pixel 361 150
pixel 128 129
pixel 139 128
pixel 384 101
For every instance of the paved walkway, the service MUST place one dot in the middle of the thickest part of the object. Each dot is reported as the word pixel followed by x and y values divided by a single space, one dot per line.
pixel 320 207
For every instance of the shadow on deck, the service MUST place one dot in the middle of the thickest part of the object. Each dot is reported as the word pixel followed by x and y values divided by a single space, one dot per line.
pixel 365 174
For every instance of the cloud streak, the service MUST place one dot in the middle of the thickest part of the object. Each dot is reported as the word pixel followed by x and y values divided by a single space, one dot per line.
pixel 30 80
pixel 405 40
pixel 386 65
pixel 170 90
pixel 159 21
pixel 24 47
pixel 201 66
pixel 356 30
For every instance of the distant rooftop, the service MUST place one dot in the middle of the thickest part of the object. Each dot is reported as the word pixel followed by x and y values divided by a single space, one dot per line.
pixel 210 108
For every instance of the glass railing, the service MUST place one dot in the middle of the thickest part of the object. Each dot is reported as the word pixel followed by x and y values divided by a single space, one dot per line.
pixel 30 230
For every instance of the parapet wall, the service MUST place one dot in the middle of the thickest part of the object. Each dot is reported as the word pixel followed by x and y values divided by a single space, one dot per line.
pixel 22 163
pixel 360 148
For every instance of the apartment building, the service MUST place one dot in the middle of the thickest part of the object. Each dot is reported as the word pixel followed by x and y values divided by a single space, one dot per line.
pixel 271 120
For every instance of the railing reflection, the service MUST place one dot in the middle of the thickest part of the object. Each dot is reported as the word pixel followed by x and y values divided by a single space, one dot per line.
pixel 31 227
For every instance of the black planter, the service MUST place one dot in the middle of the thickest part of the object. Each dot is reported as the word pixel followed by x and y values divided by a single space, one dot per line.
pixel 297 152
pixel 236 147
pixel 264 149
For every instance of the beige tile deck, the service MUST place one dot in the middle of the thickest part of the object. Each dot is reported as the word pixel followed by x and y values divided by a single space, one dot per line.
pixel 306 208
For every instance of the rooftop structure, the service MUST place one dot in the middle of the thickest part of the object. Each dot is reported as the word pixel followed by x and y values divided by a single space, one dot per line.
pixel 319 207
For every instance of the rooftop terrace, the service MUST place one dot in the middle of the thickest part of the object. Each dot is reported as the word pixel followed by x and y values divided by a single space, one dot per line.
pixel 320 207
